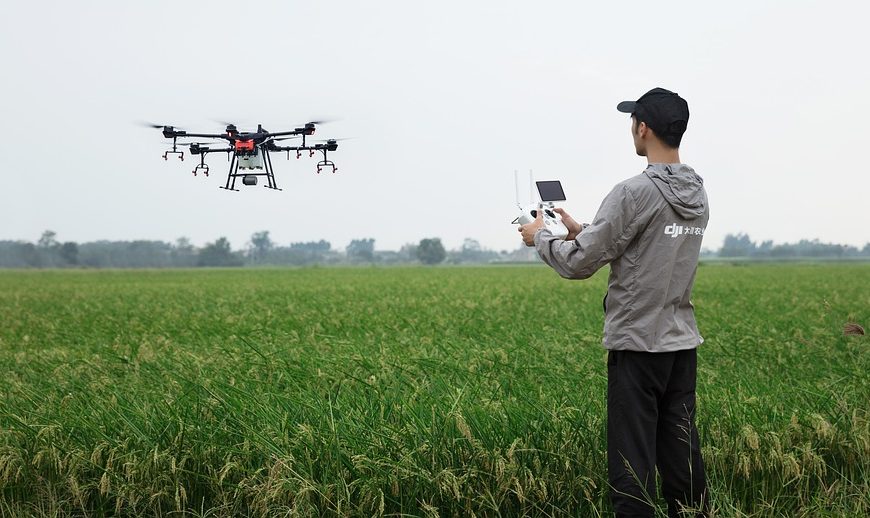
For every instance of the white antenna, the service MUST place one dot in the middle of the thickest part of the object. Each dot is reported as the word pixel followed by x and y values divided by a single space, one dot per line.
pixel 531 187
pixel 532 196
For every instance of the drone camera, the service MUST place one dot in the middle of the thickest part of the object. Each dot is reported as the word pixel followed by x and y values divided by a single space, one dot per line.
pixel 249 179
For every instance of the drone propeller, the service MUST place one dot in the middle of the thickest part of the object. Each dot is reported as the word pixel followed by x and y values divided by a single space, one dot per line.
pixel 203 144
pixel 283 138
pixel 315 122
pixel 334 139
pixel 156 126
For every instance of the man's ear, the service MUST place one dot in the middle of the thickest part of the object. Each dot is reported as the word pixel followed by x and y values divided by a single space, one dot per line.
pixel 642 129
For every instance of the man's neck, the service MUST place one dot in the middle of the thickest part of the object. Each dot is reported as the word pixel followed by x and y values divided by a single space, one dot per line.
pixel 663 156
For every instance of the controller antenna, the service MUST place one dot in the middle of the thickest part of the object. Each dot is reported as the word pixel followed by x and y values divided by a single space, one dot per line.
pixel 531 187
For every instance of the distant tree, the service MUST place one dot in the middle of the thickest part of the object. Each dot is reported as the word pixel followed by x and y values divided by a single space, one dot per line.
pixel 431 251
pixel 148 254
pixel 183 253
pixel 472 252
pixel 19 254
pixel 301 253
pixel 387 257
pixel 737 246
pixel 218 253
pixel 69 252
pixel 314 246
pixel 30 255
pixel 49 250
pixel 361 250
pixel 48 239
pixel 471 246
pixel 260 247
pixel 408 252
pixel 764 249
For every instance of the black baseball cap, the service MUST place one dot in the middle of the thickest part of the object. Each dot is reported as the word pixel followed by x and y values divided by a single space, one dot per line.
pixel 663 110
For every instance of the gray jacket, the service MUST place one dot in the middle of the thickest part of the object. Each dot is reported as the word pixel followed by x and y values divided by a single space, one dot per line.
pixel 649 228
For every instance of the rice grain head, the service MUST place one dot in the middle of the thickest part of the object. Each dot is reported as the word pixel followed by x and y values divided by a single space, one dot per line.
pixel 853 329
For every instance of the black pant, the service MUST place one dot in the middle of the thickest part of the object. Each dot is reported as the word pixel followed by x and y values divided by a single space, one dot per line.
pixel 651 423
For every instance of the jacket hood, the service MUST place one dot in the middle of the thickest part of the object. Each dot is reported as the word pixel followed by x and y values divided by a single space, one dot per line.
pixel 682 188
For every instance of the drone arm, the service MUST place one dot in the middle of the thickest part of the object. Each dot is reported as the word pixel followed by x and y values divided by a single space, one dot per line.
pixel 286 133
pixel 204 135
pixel 283 148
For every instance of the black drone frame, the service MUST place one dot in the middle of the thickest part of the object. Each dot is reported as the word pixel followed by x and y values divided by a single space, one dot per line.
pixel 244 145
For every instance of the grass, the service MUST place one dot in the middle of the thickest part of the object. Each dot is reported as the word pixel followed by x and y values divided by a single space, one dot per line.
pixel 408 391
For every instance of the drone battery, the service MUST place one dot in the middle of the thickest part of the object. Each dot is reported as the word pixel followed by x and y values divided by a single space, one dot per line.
pixel 249 179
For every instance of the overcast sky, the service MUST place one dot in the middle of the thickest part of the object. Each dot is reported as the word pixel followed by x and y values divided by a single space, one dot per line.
pixel 444 101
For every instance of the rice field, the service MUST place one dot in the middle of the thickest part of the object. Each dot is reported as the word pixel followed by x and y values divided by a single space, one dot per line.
pixel 409 392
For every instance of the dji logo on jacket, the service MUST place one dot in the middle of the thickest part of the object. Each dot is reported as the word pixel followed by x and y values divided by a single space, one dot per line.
pixel 675 230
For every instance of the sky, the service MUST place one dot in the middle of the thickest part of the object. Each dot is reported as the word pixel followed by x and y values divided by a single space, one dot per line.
pixel 443 101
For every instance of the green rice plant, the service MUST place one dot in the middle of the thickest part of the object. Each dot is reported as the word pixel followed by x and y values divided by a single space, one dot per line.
pixel 408 391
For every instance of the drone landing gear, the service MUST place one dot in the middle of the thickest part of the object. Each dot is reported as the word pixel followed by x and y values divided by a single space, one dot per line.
pixel 234 167
pixel 248 176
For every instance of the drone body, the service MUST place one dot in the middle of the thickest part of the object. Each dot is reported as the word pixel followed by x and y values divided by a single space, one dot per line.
pixel 248 152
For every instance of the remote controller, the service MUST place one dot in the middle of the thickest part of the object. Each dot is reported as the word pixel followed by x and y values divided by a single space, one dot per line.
pixel 549 191
pixel 552 220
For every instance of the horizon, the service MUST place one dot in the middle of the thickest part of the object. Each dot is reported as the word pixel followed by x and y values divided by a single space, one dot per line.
pixel 335 247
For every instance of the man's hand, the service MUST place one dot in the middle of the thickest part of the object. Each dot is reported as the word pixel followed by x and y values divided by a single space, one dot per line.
pixel 530 229
pixel 573 227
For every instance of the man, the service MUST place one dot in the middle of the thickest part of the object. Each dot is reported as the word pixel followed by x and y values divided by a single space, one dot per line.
pixel 649 230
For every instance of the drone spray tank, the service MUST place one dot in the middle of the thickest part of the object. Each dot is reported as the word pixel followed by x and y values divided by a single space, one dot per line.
pixel 249 159
pixel 251 162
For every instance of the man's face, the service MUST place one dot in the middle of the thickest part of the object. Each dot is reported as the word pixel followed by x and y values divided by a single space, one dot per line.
pixel 638 132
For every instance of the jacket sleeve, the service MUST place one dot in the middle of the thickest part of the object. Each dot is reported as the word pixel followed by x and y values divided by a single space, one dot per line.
pixel 615 226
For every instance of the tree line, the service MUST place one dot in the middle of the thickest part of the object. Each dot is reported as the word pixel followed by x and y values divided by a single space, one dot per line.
pixel 740 245
pixel 261 250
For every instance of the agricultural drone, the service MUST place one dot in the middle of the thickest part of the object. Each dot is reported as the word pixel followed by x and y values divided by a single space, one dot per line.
pixel 248 153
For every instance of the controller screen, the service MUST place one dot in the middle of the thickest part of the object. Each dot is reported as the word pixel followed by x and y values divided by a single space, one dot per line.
pixel 551 190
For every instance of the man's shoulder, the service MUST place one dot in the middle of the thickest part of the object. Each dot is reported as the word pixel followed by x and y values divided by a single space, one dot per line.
pixel 636 184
